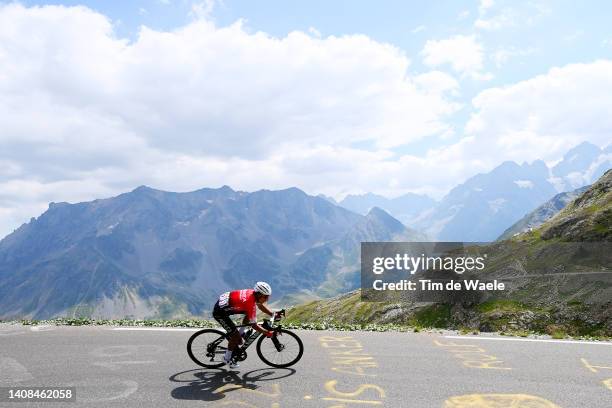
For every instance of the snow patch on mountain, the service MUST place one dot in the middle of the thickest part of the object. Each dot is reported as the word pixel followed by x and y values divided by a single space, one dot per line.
pixel 497 204
pixel 524 183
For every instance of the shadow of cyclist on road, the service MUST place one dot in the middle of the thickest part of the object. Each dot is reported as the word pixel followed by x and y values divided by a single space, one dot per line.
pixel 213 385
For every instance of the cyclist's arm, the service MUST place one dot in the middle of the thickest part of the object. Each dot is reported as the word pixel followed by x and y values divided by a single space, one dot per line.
pixel 258 328
pixel 265 309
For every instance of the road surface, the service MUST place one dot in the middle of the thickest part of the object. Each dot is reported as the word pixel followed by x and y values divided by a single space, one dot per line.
pixel 123 367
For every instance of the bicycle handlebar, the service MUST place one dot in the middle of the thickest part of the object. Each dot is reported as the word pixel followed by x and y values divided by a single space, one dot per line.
pixel 278 315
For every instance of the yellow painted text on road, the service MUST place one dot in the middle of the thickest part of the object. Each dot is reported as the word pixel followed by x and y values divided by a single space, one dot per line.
pixel 473 356
pixel 348 356
pixel 594 368
pixel 351 397
pixel 599 368
pixel 498 401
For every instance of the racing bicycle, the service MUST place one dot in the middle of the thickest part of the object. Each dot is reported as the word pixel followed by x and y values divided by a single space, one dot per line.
pixel 207 347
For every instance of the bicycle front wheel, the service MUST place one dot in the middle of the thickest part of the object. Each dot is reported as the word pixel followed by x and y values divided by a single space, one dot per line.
pixel 285 353
pixel 205 349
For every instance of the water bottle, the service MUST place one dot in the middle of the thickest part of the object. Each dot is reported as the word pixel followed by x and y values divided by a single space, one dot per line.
pixel 247 334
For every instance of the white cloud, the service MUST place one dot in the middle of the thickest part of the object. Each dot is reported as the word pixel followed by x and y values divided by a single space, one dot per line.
pixel 86 114
pixel 517 14
pixel 484 6
pixel 203 9
pixel 503 55
pixel 463 53
pixel 314 31
pixel 437 82
pixel 463 15
pixel 543 117
pixel 506 18
pixel 419 29
pixel 540 118
pixel 573 36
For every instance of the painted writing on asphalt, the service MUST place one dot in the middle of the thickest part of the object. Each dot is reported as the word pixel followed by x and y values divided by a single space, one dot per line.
pixel 498 400
pixel 600 368
pixel 473 356
pixel 347 356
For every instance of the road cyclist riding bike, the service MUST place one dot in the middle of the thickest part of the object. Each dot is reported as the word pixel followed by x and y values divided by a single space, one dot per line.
pixel 277 346
pixel 242 302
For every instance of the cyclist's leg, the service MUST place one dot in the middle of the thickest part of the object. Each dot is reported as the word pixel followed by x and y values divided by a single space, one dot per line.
pixel 243 329
pixel 222 317
pixel 226 322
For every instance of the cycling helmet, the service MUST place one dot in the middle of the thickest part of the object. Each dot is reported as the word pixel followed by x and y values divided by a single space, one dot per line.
pixel 263 288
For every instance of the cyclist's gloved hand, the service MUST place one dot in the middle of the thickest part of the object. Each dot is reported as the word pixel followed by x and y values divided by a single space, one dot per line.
pixel 269 333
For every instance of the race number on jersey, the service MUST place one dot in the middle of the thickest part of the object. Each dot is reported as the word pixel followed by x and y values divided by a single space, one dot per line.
pixel 224 299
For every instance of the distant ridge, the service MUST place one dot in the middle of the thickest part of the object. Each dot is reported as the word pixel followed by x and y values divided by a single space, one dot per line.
pixel 543 213
pixel 152 253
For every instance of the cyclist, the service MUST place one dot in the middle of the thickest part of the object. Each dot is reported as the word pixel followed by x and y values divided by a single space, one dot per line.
pixel 241 302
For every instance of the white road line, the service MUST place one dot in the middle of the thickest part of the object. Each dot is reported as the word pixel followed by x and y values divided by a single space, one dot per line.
pixel 599 343
pixel 11 330
pixel 44 327
pixel 155 329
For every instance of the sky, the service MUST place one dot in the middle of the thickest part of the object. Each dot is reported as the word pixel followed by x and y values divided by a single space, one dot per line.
pixel 99 97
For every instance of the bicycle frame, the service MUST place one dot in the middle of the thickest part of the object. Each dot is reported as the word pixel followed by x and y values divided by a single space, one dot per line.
pixel 254 336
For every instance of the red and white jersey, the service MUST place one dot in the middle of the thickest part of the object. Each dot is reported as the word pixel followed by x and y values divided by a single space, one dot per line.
pixel 240 302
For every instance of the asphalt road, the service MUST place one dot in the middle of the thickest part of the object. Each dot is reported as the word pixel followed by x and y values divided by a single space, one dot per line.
pixel 150 368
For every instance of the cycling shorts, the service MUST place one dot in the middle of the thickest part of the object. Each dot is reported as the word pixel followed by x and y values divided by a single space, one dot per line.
pixel 223 317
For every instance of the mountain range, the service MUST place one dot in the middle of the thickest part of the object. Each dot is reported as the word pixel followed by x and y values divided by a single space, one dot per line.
pixel 405 207
pixel 485 205
pixel 543 213
pixel 151 253
pixel 558 278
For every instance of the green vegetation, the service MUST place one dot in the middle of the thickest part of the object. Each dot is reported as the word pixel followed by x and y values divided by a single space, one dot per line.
pixel 467 330
pixel 346 310
pixel 436 316
pixel 432 317
pixel 558 334
pixel 198 323
pixel 119 322
pixel 501 305
pixel 519 333
pixel 507 316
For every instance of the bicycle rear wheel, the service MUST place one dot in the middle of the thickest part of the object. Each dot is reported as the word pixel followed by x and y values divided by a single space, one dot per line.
pixel 205 349
pixel 290 351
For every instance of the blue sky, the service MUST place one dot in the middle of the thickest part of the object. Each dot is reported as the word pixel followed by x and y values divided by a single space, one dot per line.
pixel 340 97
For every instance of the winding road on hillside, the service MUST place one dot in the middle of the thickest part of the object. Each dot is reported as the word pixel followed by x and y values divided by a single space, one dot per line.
pixel 132 367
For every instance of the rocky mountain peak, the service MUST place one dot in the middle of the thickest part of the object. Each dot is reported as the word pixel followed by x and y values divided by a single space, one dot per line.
pixel 587 218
